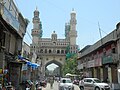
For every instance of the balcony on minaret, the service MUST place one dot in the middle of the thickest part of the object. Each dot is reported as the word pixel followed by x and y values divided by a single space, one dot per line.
pixel 36 20
pixel 73 14
pixel 35 32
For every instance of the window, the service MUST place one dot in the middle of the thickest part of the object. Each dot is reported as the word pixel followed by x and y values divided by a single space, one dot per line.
pixel 50 51
pixel 58 51
pixel 113 50
pixel 62 51
pixel 89 80
pixel 45 50
pixel 41 51
pixel 54 43
pixel 65 51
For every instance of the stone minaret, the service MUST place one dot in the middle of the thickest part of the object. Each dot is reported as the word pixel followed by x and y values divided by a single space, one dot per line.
pixel 73 32
pixel 37 28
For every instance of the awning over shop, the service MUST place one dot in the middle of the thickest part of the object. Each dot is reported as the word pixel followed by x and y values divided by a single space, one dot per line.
pixel 33 65
pixel 20 57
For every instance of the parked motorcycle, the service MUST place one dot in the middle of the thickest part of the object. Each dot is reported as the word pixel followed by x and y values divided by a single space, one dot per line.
pixel 38 86
pixel 9 87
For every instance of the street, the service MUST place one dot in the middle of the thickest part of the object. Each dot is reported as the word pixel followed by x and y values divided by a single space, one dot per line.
pixel 55 87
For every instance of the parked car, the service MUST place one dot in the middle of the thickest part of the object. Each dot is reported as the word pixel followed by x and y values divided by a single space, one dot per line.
pixel 66 84
pixel 93 84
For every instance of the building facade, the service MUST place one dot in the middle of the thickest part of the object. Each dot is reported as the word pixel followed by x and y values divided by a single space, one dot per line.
pixel 12 30
pixel 53 50
pixel 101 59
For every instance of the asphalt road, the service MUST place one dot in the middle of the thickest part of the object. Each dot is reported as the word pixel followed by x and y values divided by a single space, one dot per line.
pixel 55 87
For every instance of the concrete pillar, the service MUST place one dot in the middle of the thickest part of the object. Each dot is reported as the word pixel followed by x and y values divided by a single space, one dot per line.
pixel 95 74
pixel 109 74
pixel 101 73
pixel 2 60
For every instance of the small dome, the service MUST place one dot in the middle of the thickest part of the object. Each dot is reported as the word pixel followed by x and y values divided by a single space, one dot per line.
pixel 36 11
pixel 54 35
pixel 73 11
pixel 53 32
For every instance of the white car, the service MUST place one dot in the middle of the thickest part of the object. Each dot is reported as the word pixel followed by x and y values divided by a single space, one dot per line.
pixel 93 84
pixel 66 84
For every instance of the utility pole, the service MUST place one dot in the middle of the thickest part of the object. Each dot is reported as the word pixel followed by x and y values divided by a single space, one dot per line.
pixel 100 33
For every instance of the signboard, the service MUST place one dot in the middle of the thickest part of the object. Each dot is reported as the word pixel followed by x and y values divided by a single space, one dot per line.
pixel 24 67
pixel 80 66
pixel 107 59
pixel 98 62
pixel 91 63
pixel 9 18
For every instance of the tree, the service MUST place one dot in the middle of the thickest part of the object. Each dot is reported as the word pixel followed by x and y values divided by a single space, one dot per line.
pixel 70 65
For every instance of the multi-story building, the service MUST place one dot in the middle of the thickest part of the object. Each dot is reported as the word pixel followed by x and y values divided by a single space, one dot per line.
pixel 53 50
pixel 101 59
pixel 12 30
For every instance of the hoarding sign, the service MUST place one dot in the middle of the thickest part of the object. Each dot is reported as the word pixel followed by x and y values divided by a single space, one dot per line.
pixel 91 63
pixel 10 19
pixel 98 62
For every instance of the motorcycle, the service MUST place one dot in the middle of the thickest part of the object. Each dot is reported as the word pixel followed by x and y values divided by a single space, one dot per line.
pixel 38 87
pixel 9 87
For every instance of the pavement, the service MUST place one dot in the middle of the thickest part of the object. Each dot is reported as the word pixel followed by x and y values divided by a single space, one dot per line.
pixel 55 87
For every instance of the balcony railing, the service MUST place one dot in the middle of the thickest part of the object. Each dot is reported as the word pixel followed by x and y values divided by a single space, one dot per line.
pixel 50 54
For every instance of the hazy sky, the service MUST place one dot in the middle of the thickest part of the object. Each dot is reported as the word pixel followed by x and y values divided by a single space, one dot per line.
pixel 55 13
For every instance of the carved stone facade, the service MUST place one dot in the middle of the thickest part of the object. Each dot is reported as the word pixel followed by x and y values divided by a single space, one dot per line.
pixel 53 50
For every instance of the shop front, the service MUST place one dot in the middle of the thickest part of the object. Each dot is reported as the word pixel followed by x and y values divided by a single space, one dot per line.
pixel 98 70
pixel 110 71
pixel 118 75
pixel 90 66
pixel 15 73
pixel 109 68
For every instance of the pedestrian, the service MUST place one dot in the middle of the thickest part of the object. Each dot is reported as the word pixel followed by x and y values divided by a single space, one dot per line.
pixel 51 82
pixel 32 86
pixel 106 80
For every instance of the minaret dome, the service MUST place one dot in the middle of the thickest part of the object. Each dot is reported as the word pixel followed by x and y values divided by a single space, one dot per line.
pixel 36 12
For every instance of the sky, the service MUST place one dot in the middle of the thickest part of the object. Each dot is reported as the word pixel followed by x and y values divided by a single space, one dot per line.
pixel 55 13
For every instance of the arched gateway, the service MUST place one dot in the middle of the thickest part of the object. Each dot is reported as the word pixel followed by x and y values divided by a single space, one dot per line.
pixel 53 50
pixel 57 62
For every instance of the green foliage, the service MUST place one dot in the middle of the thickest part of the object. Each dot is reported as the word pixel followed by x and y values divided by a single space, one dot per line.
pixel 68 49
pixel 69 55
pixel 70 65
pixel 41 31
